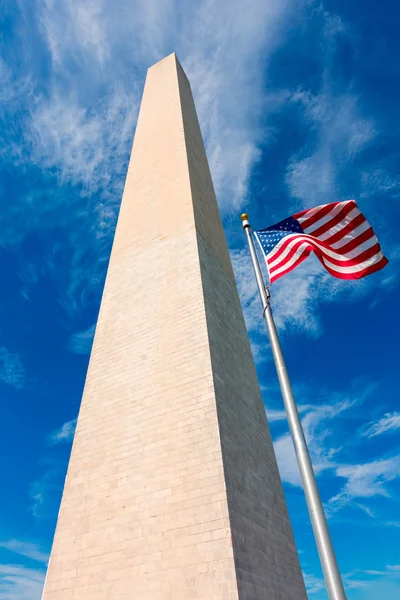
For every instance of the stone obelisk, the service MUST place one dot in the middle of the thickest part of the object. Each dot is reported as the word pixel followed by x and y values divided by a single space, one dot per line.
pixel 172 490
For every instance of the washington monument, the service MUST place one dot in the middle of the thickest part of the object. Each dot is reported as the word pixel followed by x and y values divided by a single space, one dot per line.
pixel 172 490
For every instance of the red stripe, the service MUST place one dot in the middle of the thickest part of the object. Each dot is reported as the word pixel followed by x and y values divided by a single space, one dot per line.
pixel 351 262
pixel 360 239
pixel 305 255
pixel 359 275
pixel 296 245
pixel 303 212
pixel 317 216
pixel 358 220
pixel 291 252
pixel 334 221
pixel 287 241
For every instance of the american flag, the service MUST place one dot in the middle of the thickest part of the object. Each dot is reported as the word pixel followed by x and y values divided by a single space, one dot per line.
pixel 338 233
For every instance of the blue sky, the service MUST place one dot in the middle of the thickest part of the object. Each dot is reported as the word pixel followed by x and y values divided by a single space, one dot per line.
pixel 298 103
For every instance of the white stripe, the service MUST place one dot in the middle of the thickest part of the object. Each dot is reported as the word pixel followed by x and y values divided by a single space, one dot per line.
pixel 328 252
pixel 270 256
pixel 336 228
pixel 310 213
pixel 356 268
pixel 293 259
pixel 352 235
pixel 331 214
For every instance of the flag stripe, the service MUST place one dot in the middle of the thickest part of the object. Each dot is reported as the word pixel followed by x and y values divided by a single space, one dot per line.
pixel 349 227
pixel 360 239
pixel 334 216
pixel 341 266
pixel 349 236
pixel 289 264
pixel 308 221
pixel 291 242
pixel 346 213
pixel 357 267
pixel 337 233
pixel 368 271
pixel 308 212
pixel 275 276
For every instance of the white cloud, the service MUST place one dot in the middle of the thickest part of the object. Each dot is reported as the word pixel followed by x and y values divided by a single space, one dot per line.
pixel 340 132
pixel 295 299
pixel 339 129
pixel 44 490
pixel 228 41
pixel 28 549
pixel 368 511
pixel 85 145
pixel 358 579
pixel 388 423
pixel 81 342
pixel 64 434
pixel 247 289
pixel 365 480
pixel 317 427
pixel 378 181
pixel 74 30
pixel 12 371
pixel 78 128
pixel 313 584
pixel 20 583
pixel 320 425
pixel 222 48
pixel 393 568
pixel 275 415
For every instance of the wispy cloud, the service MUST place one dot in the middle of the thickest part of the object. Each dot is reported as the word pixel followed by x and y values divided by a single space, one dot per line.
pixel 45 489
pixel 313 584
pixel 338 129
pixel 81 342
pixel 83 34
pixel 20 583
pixel 359 579
pixel 78 124
pixel 340 134
pixel 85 146
pixel 229 40
pixel 321 425
pixel 389 423
pixel 247 289
pixel 296 299
pixel 12 371
pixel 79 138
pixel 64 434
pixel 365 480
pixel 27 549
pixel 317 426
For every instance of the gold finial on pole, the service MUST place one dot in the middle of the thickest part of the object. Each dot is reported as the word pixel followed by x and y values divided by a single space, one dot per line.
pixel 245 220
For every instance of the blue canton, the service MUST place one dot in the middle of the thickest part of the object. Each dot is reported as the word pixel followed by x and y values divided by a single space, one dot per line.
pixel 271 236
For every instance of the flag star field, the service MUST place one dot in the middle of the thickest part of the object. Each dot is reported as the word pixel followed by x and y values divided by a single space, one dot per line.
pixel 298 106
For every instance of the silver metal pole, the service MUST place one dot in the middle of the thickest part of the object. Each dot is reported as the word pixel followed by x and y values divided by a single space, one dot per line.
pixel 326 552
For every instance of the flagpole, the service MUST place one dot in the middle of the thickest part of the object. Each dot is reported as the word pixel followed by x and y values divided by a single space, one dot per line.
pixel 319 524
